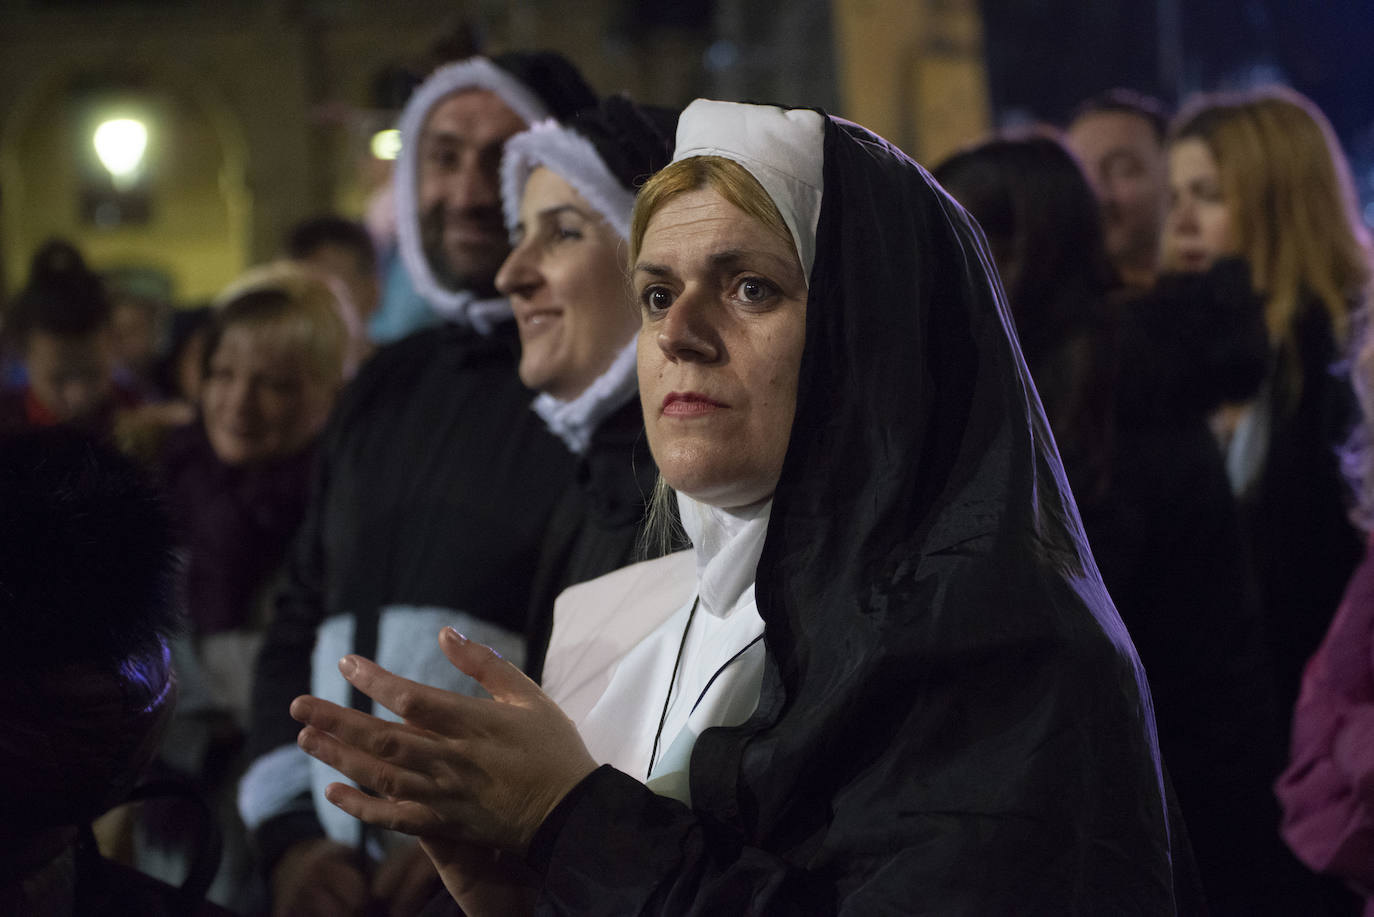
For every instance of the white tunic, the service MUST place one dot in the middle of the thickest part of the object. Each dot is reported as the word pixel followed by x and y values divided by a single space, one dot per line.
pixel 616 642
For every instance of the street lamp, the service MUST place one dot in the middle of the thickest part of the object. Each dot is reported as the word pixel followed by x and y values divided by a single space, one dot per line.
pixel 386 144
pixel 120 143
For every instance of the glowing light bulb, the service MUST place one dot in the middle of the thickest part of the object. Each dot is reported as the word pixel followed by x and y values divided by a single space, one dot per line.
pixel 386 144
pixel 120 143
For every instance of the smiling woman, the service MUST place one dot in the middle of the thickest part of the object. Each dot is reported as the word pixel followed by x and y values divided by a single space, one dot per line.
pixel 890 681
pixel 237 480
pixel 568 189
pixel 566 281
pixel 275 357
pixel 274 361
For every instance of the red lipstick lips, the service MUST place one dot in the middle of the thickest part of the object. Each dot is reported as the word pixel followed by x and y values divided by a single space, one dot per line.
pixel 688 404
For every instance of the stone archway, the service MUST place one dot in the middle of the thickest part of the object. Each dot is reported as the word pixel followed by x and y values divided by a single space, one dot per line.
pixel 199 228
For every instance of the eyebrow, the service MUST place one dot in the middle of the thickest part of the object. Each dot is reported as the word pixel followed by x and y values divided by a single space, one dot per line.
pixel 556 209
pixel 543 216
pixel 448 138
pixel 726 259
pixel 733 256
pixel 1121 153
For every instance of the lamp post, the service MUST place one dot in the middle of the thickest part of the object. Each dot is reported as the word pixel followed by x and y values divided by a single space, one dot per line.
pixel 120 144
pixel 385 145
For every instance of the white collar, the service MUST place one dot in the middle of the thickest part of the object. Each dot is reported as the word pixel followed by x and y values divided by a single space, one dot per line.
pixel 728 543
pixel 575 421
pixel 463 307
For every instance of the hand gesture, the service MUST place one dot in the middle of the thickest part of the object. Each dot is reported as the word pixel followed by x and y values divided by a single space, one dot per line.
pixel 482 772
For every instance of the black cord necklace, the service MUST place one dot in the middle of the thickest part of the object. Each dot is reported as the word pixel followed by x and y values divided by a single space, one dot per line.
pixel 663 717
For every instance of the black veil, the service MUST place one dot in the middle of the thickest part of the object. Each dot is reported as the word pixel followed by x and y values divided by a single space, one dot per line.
pixel 952 718
pixel 950 693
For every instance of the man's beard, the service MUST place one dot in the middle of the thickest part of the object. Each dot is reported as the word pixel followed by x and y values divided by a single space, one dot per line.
pixel 480 279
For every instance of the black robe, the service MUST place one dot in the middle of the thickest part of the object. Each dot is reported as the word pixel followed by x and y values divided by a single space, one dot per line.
pixel 952 718
pixel 1167 539
pixel 1296 519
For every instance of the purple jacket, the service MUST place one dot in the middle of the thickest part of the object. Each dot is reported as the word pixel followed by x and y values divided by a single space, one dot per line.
pixel 1327 792
pixel 234 523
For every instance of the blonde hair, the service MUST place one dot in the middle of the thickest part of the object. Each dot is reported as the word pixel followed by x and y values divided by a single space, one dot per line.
pixel 726 177
pixel 732 181
pixel 1292 205
pixel 300 307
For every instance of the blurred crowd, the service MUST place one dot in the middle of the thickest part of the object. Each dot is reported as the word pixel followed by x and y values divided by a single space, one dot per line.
pixel 372 438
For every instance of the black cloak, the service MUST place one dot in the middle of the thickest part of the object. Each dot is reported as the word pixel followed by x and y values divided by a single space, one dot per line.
pixel 953 719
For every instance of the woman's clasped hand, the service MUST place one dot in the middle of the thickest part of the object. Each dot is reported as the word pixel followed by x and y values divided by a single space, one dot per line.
pixel 477 771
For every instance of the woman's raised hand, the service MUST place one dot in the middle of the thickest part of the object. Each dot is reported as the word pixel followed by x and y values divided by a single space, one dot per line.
pixel 483 772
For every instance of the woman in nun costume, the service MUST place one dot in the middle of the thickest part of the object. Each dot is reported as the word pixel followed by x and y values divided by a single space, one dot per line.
pixel 896 684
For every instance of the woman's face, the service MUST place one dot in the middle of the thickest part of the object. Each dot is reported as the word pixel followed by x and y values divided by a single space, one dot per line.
pixel 1198 230
pixel 260 401
pixel 566 283
pixel 723 306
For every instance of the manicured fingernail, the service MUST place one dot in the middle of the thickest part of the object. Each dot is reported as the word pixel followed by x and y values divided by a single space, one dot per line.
pixel 457 636
pixel 348 665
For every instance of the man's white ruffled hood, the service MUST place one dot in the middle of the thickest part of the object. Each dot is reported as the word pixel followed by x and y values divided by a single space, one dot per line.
pixel 474 73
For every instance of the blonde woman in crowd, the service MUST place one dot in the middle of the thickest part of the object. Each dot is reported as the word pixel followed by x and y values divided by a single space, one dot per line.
pixel 277 352
pixel 1262 177
pixel 274 360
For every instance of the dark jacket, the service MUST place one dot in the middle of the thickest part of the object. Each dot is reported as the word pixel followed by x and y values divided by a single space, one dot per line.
pixel 432 489
pixel 1166 533
pixel 1296 514
pixel 234 523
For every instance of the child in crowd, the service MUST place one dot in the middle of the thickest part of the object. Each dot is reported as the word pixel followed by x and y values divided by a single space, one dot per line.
pixel 61 327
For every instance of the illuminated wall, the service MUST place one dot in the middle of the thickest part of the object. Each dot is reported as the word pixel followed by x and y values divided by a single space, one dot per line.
pixel 263 107
pixel 913 71
pixel 263 111
pixel 239 151
pixel 196 231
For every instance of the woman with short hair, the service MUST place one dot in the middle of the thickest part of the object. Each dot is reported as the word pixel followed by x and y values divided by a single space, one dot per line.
pixel 275 357
pixel 238 480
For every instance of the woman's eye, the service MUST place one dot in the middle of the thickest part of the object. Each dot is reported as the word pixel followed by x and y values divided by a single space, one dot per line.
pixel 563 233
pixel 656 299
pixel 754 290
